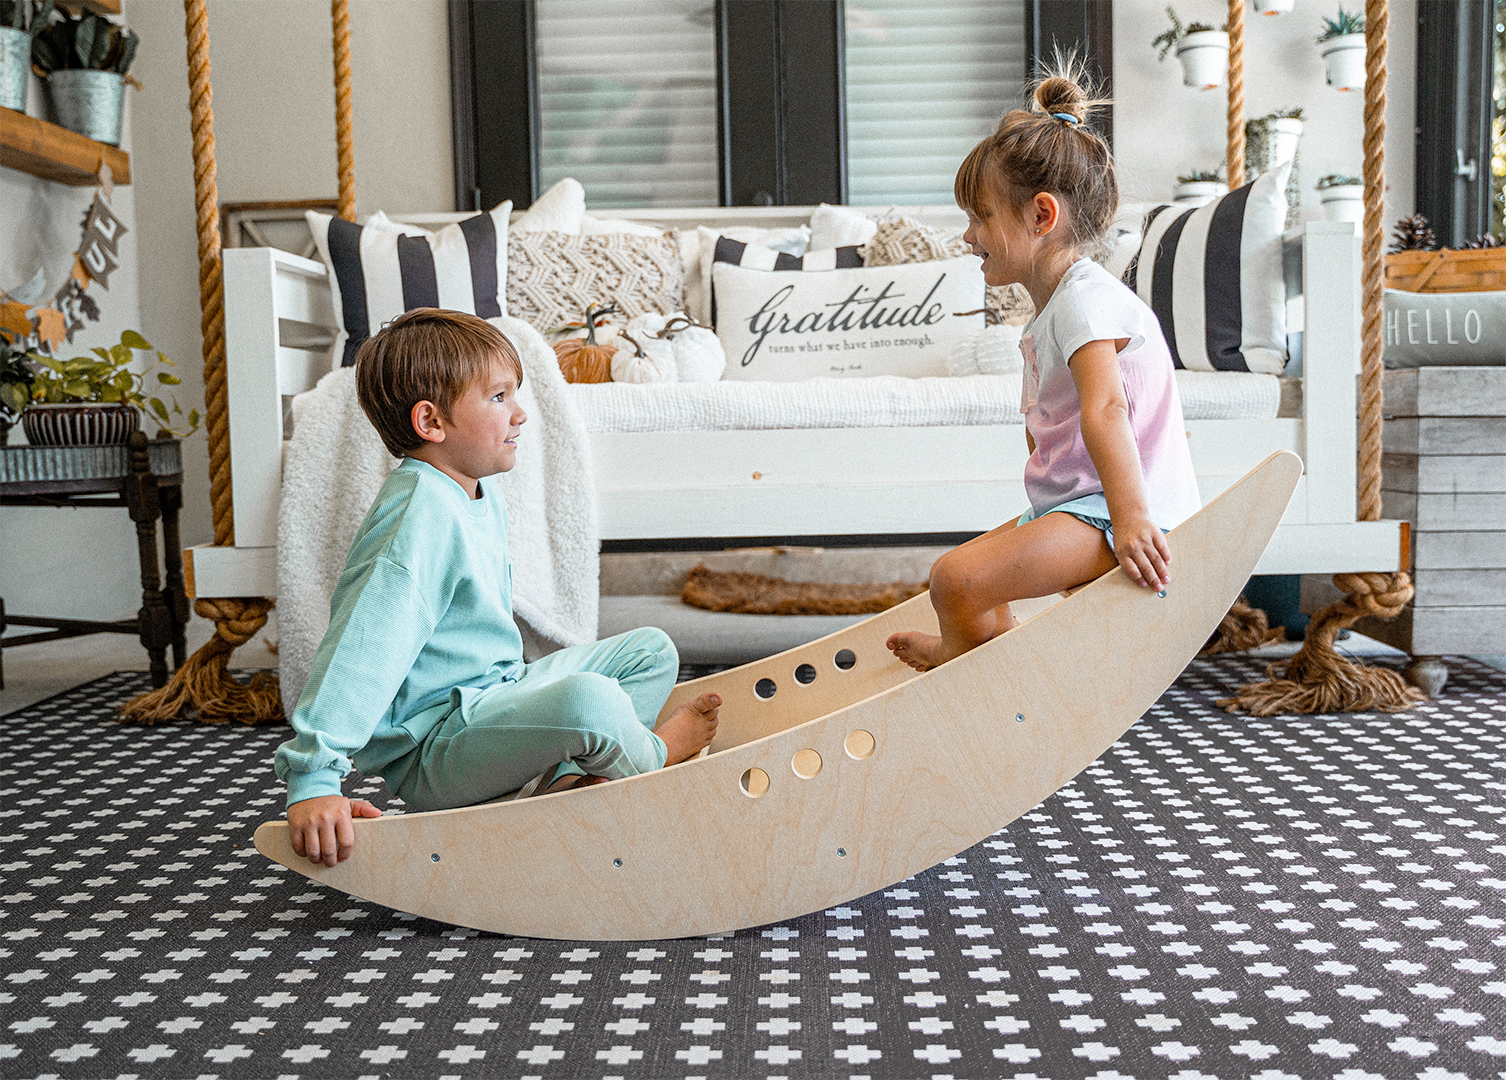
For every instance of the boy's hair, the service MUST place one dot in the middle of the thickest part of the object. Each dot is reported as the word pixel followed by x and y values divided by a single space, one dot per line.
pixel 1036 150
pixel 426 354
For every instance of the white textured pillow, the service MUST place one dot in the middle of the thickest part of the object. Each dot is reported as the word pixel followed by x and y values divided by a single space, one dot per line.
pixel 789 325
pixel 840 226
pixel 595 226
pixel 560 209
pixel 382 269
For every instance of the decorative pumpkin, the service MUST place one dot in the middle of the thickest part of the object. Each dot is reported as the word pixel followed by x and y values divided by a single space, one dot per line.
pixel 587 359
pixel 649 361
pixel 993 350
pixel 698 353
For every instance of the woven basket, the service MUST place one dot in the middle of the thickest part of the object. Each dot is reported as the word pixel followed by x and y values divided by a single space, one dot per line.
pixel 1474 270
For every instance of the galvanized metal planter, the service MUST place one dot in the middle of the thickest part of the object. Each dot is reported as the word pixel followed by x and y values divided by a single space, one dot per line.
pixel 15 66
pixel 89 102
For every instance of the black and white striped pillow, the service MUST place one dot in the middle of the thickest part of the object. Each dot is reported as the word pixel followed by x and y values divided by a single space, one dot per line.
pixel 758 257
pixel 382 269
pixel 1213 276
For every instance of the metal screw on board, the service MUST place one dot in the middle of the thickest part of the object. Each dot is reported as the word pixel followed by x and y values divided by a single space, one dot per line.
pixel 616 862
pixel 1019 717
pixel 1162 594
pixel 434 857
pixel 841 853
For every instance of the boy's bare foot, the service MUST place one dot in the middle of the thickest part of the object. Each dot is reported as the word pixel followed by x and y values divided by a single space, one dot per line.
pixel 571 781
pixel 921 651
pixel 690 728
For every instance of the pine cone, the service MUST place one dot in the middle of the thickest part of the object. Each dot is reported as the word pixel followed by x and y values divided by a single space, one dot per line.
pixel 1414 234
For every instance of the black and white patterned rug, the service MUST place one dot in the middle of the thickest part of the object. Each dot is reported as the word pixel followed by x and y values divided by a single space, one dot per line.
pixel 1217 897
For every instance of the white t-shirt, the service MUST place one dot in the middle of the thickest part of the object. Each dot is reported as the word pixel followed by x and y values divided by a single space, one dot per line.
pixel 1091 305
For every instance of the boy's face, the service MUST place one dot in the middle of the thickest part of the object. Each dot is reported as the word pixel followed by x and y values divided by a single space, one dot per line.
pixel 480 436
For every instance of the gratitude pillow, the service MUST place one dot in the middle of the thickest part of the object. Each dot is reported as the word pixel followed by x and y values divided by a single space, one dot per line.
pixel 896 241
pixel 381 270
pixel 785 325
pixel 553 277
pixel 1212 274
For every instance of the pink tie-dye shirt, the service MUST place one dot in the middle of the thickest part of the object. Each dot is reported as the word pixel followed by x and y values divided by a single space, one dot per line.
pixel 1091 305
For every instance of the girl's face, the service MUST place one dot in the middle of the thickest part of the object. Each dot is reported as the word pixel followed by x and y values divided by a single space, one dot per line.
pixel 1007 240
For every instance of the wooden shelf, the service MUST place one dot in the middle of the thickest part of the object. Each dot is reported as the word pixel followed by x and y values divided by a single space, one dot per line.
pixel 99 7
pixel 54 153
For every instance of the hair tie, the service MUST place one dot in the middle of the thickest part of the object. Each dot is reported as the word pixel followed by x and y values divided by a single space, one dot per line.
pixel 1067 118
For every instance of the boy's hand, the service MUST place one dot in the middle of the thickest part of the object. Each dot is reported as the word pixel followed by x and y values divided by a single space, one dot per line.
pixel 1142 551
pixel 321 828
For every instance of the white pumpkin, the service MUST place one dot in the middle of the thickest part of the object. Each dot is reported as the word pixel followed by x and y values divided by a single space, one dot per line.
pixel 643 360
pixel 698 352
pixel 994 350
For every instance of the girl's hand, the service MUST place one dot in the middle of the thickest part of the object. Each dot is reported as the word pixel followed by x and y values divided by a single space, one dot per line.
pixel 1142 551
pixel 321 827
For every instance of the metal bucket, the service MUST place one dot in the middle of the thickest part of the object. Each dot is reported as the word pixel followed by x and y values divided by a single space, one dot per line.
pixel 88 102
pixel 15 67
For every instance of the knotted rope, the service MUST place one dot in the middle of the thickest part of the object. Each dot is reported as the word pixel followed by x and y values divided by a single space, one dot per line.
pixel 1317 679
pixel 204 684
pixel 1234 159
pixel 345 155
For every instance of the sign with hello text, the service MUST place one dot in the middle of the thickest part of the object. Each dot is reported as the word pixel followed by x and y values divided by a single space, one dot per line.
pixel 789 325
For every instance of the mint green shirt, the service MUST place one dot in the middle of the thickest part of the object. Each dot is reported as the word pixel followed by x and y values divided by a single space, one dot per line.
pixel 422 611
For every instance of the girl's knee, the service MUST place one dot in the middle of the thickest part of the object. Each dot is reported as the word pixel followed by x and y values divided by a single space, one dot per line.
pixel 948 583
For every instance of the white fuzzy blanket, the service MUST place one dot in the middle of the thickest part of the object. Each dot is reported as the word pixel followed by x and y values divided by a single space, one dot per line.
pixel 877 401
pixel 336 463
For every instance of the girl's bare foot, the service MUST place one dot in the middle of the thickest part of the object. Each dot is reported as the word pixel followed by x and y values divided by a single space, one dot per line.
pixel 690 728
pixel 921 651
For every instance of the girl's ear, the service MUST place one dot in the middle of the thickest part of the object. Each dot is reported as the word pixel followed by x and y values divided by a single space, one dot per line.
pixel 1048 212
pixel 427 422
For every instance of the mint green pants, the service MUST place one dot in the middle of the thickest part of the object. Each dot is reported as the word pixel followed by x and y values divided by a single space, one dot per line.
pixel 585 709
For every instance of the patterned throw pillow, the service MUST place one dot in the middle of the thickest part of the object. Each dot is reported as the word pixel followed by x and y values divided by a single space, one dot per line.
pixel 552 277
pixel 1213 276
pixel 902 240
pixel 383 269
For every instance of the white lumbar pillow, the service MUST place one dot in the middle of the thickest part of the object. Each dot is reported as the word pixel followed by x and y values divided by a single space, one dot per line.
pixel 595 226
pixel 560 209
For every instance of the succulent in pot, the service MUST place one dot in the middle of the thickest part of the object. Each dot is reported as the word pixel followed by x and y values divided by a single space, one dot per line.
pixel 86 61
pixel 1342 46
pixel 15 49
pixel 95 399
pixel 1202 51
pixel 1343 197
pixel 1199 187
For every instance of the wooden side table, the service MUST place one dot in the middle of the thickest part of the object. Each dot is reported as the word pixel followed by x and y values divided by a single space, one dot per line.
pixel 146 477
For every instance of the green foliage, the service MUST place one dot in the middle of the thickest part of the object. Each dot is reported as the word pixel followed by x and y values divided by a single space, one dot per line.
pixel 13 15
pixel 1168 39
pixel 1288 114
pixel 1344 25
pixel 1201 176
pixel 107 377
pixel 88 43
pixel 1333 180
pixel 16 378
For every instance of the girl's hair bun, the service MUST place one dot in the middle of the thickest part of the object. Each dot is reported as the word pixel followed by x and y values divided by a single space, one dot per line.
pixel 1060 93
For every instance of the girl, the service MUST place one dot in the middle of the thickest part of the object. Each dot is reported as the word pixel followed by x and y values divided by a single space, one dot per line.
pixel 1109 468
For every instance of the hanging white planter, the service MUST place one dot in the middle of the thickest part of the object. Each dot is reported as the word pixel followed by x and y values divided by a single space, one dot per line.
pixel 1286 133
pixel 1343 202
pixel 1198 192
pixel 1344 61
pixel 1204 56
pixel 1273 7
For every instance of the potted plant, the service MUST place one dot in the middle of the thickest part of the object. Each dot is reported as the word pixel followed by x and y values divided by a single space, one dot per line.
pixel 93 400
pixel 85 62
pixel 1342 46
pixel 1202 51
pixel 1273 7
pixel 1285 129
pixel 1343 197
pixel 16 378
pixel 1198 188
pixel 15 50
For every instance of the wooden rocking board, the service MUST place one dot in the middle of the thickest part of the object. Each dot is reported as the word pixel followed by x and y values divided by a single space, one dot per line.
pixel 869 774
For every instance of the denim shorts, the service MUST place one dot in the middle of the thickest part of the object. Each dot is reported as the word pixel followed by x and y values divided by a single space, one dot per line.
pixel 1093 509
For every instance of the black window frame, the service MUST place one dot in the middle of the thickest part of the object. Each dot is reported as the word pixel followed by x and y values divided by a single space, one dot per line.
pixel 1454 112
pixel 781 94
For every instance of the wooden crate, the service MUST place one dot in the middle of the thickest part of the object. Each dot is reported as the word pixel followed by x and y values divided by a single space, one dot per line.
pixel 1444 464
pixel 1475 270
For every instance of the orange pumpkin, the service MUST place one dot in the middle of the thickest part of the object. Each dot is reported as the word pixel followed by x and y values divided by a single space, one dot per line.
pixel 583 360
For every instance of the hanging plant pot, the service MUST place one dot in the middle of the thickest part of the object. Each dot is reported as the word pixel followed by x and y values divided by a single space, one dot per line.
pixel 1344 61
pixel 1343 202
pixel 88 102
pixel 15 67
pixel 1273 7
pixel 1204 56
pixel 1286 133
pixel 1198 192
pixel 83 424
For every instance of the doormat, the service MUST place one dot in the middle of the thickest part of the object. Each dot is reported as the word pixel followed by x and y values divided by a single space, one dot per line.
pixel 757 594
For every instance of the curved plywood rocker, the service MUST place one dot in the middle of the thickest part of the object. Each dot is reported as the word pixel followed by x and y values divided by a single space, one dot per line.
pixel 836 770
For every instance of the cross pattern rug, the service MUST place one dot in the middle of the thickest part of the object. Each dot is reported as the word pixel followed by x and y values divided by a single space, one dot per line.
pixel 1218 896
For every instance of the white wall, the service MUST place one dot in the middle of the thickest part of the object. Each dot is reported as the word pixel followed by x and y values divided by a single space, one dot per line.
pixel 1162 128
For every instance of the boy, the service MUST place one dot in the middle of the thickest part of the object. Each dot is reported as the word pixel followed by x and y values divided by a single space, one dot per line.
pixel 420 678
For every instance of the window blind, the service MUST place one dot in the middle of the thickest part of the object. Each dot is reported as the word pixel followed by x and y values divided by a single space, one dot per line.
pixel 925 82
pixel 627 100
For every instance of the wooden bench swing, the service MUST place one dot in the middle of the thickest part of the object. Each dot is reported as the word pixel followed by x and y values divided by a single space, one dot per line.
pixel 818 788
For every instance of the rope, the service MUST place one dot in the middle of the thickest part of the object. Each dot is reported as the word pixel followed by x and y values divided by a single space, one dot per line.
pixel 1372 252
pixel 1234 160
pixel 211 282
pixel 344 134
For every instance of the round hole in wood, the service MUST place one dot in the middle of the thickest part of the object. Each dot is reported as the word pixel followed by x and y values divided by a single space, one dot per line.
pixel 845 659
pixel 754 783
pixel 806 763
pixel 805 674
pixel 859 744
pixel 765 688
